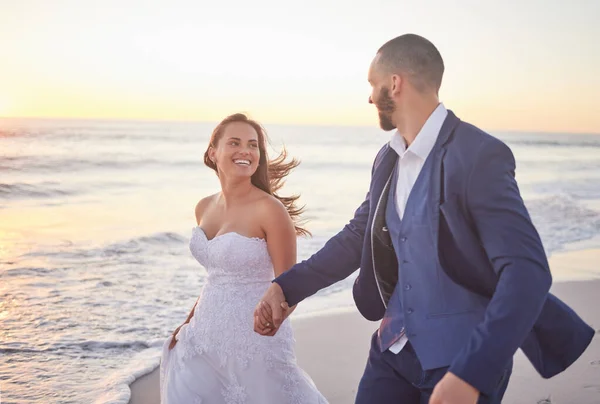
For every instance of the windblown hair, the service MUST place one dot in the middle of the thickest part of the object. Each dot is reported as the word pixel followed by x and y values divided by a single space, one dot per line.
pixel 270 174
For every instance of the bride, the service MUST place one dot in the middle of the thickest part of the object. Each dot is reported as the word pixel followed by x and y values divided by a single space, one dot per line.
pixel 246 235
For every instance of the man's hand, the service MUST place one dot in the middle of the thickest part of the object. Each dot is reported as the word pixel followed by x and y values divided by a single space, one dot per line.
pixel 271 311
pixel 453 390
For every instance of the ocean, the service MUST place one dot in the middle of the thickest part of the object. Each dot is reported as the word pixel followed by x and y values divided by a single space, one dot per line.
pixel 95 218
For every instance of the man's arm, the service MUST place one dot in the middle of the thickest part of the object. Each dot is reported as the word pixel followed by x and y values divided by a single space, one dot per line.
pixel 516 252
pixel 338 258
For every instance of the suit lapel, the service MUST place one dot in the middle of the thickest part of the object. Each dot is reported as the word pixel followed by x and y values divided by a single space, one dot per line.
pixel 383 171
pixel 381 189
pixel 435 183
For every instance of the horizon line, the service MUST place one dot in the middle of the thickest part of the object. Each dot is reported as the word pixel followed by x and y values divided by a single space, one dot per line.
pixel 181 120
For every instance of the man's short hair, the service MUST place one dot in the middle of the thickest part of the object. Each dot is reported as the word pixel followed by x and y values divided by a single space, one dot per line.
pixel 416 56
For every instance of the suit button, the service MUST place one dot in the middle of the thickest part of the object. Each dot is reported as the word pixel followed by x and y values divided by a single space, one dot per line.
pixel 405 261
pixel 403 239
pixel 409 310
pixel 407 287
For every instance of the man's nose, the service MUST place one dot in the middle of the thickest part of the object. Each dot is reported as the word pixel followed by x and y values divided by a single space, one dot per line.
pixel 370 100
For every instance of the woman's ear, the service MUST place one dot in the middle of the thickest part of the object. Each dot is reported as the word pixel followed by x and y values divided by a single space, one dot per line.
pixel 212 155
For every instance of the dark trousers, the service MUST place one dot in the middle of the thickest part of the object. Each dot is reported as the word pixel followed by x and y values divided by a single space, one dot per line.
pixel 400 379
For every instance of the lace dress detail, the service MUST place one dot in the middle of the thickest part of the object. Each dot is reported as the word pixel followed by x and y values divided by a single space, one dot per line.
pixel 218 358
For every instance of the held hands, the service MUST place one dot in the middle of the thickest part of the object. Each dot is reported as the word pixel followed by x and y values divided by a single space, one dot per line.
pixel 453 390
pixel 271 311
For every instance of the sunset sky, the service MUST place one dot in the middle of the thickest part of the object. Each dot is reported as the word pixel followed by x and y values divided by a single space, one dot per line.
pixel 530 65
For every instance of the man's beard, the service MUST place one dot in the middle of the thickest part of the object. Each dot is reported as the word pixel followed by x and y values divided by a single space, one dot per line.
pixel 385 108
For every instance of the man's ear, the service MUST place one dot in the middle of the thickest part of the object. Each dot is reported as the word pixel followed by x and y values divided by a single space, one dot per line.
pixel 396 87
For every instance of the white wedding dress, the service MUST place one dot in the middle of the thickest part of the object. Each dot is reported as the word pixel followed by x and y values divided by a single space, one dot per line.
pixel 218 358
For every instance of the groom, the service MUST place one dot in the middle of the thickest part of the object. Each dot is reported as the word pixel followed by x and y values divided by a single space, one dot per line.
pixel 449 259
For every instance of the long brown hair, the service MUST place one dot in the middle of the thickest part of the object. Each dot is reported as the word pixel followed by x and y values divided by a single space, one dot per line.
pixel 270 174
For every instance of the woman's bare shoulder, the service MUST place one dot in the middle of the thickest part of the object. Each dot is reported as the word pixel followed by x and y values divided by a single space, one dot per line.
pixel 203 204
pixel 269 204
pixel 272 213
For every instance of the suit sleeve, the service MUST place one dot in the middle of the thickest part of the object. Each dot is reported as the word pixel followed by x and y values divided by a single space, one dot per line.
pixel 515 250
pixel 338 258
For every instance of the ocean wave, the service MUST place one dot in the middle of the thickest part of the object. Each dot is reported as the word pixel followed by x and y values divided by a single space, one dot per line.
pixel 103 131
pixel 571 190
pixel 552 140
pixel 136 245
pixel 564 142
pixel 42 164
pixel 109 345
pixel 560 220
pixel 583 166
pixel 40 190
pixel 22 350
pixel 68 252
pixel 341 166
pixel 6 133
pixel 25 272
pixel 91 345
pixel 116 388
pixel 64 164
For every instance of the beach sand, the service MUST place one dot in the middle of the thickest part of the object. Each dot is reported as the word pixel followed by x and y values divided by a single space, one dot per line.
pixel 333 348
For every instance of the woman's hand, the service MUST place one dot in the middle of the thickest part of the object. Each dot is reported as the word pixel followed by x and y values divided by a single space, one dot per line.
pixel 174 337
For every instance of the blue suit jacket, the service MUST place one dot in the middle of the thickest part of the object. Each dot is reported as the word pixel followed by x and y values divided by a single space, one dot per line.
pixel 486 242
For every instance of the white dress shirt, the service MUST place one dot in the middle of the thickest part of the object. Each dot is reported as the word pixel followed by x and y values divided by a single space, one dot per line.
pixel 410 162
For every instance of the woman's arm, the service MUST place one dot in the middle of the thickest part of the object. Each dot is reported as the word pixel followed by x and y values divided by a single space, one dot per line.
pixel 189 317
pixel 280 235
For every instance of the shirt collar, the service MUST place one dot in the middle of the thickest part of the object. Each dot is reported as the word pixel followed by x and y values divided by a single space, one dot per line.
pixel 426 138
